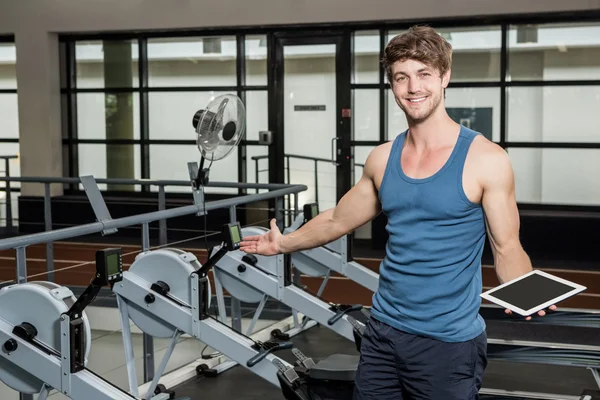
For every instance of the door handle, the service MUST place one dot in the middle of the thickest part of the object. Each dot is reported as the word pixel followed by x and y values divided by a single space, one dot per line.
pixel 333 156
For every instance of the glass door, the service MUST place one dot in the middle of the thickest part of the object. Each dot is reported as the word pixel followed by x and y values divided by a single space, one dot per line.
pixel 312 122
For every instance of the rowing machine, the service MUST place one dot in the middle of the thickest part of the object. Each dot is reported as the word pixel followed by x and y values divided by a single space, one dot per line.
pixel 46 337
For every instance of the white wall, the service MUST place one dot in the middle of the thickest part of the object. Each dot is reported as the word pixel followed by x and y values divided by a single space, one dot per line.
pixel 93 15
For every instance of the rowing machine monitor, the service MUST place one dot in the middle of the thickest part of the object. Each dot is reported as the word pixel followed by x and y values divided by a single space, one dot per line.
pixel 310 211
pixel 109 266
pixel 232 236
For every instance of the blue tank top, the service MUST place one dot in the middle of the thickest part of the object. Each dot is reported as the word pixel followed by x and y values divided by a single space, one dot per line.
pixel 430 279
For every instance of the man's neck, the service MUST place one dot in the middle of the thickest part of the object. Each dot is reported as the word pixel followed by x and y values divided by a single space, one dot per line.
pixel 435 132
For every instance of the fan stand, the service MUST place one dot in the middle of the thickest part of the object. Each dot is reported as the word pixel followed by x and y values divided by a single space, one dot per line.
pixel 199 179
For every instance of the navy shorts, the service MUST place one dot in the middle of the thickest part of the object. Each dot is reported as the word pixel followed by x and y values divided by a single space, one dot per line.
pixel 401 366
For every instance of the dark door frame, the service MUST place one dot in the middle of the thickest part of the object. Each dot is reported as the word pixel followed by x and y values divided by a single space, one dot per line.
pixel 343 42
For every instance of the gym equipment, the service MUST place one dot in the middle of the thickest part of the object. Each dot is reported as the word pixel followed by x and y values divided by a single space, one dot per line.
pixel 46 337
pixel 320 261
pixel 332 378
pixel 166 293
pixel 253 278
pixel 247 277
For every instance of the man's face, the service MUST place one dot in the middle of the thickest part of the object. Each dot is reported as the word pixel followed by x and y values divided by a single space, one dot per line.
pixel 418 88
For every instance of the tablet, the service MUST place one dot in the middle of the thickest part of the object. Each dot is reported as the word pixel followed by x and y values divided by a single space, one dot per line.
pixel 532 292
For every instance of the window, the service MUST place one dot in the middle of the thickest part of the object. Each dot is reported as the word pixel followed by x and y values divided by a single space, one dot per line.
pixel 193 61
pixel 556 176
pixel 256 60
pixel 107 64
pixel 554 52
pixel 553 95
pixel 171 113
pixel 9 116
pixel 476 108
pixel 534 91
pixel 9 126
pixel 257 168
pixel 554 114
pixel 365 121
pixel 396 120
pixel 139 94
pixel 110 160
pixel 257 113
pixel 108 115
pixel 367 64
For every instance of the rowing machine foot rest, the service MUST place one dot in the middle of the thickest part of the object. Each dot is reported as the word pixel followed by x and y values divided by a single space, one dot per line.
pixel 333 377
pixel 590 395
pixel 330 379
pixel 336 367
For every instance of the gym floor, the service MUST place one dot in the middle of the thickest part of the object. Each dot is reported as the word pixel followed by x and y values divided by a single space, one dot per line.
pixel 319 342
pixel 107 359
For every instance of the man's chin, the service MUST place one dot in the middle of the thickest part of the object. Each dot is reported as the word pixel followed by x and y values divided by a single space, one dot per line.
pixel 418 118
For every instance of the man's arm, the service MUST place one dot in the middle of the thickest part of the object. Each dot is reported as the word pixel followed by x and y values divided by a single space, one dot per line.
pixel 502 216
pixel 357 207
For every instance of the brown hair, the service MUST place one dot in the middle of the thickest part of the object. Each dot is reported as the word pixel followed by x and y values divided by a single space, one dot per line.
pixel 419 43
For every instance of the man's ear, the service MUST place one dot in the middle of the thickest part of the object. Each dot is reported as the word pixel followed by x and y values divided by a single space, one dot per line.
pixel 446 78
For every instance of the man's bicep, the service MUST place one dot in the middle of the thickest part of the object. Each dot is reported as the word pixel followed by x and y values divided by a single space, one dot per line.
pixel 358 206
pixel 500 206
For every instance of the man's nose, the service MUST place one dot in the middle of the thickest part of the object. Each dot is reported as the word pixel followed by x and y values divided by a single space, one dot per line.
pixel 414 85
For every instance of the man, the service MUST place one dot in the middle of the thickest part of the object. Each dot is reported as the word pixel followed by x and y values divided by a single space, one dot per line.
pixel 442 187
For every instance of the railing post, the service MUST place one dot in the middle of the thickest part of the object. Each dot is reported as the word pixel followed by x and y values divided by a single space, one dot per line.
pixel 316 182
pixel 289 179
pixel 279 213
pixel 236 307
pixel 21 265
pixel 162 224
pixel 148 342
pixel 295 205
pixel 8 196
pixel 256 171
pixel 48 227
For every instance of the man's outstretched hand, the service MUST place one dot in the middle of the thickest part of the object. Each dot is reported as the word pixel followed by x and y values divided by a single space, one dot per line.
pixel 541 313
pixel 266 244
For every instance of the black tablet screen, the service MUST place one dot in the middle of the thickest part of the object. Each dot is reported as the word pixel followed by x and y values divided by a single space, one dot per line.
pixel 531 291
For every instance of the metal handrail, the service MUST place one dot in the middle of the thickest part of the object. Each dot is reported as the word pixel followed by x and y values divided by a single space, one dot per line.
pixel 280 190
pixel 316 161
pixel 146 182
pixel 19 243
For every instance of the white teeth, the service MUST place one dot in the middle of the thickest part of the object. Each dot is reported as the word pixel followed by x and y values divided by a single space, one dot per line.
pixel 416 100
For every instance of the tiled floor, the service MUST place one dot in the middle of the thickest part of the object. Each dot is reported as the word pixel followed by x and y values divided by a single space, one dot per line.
pixel 107 357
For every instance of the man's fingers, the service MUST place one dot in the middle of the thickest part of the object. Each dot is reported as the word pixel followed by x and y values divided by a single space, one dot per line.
pixel 541 313
pixel 250 238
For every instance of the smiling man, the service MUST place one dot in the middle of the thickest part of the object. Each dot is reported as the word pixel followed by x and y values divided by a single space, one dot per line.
pixel 443 188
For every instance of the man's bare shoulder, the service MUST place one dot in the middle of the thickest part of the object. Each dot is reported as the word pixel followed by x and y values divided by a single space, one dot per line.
pixel 378 158
pixel 490 160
